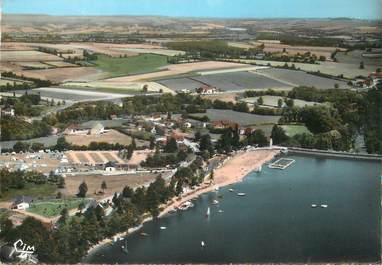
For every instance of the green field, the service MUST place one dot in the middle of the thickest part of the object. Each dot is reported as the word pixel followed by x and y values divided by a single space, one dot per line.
pixel 139 64
pixel 54 207
pixel 30 189
pixel 292 130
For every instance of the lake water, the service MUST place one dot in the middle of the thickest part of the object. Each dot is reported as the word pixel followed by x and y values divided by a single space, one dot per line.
pixel 274 222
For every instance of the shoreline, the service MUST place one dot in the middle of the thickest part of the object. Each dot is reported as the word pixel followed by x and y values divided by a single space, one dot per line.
pixel 225 175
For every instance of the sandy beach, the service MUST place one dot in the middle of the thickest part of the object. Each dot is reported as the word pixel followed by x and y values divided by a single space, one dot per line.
pixel 233 170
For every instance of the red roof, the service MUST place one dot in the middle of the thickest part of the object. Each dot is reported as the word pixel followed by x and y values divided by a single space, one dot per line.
pixel 375 74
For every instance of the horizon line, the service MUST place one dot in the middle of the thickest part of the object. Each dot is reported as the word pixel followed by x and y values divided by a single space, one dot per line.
pixel 188 17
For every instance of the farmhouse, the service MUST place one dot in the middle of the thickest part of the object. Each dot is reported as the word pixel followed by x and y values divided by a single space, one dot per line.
pixel 7 111
pixel 224 124
pixel 22 202
pixel 376 77
pixel 92 128
pixel 206 89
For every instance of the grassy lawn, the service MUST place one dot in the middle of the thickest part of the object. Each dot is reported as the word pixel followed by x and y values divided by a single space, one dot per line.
pixel 131 65
pixel 54 207
pixel 30 189
pixel 106 90
pixel 292 130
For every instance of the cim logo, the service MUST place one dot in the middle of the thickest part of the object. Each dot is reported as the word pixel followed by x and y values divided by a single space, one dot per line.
pixel 24 251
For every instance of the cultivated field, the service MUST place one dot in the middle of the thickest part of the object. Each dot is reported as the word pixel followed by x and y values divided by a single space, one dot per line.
pixel 76 49
pixel 58 75
pixel 33 65
pixel 158 51
pixel 241 118
pixel 93 157
pixel 71 94
pixel 61 64
pixel 27 56
pixel 355 57
pixel 230 81
pixel 239 81
pixel 177 69
pixel 118 87
pixel 292 50
pixel 349 70
pixel 111 137
pixel 115 183
pixel 300 78
pixel 132 65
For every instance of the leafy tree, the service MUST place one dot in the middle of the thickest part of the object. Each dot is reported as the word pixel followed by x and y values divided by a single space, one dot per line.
pixel 280 103
pixel 289 102
pixel 171 146
pixel 225 141
pixel 62 144
pixel 278 135
pixel 127 192
pixel 82 190
pixel 64 216
pixel 61 182
pixel 260 101
pixel 103 185
pixel 257 137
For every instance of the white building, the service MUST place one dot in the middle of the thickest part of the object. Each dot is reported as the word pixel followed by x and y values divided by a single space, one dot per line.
pixel 22 206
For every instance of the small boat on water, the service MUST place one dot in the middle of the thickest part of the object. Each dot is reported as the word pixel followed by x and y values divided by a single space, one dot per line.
pixel 241 194
pixel 124 247
pixel 215 202
pixel 231 190
pixel 259 169
pixel 163 228
pixel 202 243
pixel 314 205
pixel 186 205
pixel 324 206
pixel 144 234
pixel 217 189
pixel 208 212
pixel 221 211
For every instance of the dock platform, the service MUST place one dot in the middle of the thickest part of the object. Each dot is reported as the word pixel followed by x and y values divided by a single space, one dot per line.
pixel 282 163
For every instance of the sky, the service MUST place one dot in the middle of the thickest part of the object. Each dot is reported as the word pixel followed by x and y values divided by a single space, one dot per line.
pixel 362 9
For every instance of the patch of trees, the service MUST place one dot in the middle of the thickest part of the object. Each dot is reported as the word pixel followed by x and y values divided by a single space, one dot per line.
pixel 89 56
pixel 88 111
pixel 303 41
pixel 257 137
pixel 229 141
pixel 179 103
pixel 373 120
pixel 188 176
pixel 36 81
pixel 267 111
pixel 24 105
pixel 17 180
pixel 211 49
pixel 14 128
pixel 16 86
pixel 159 160
pixel 259 93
